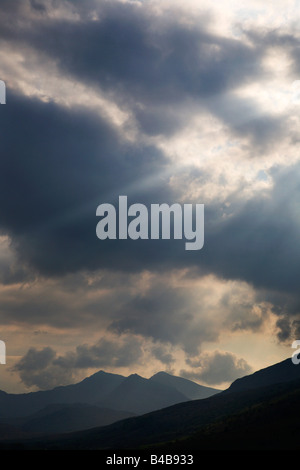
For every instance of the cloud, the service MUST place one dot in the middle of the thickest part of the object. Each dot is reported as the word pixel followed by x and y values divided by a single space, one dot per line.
pixel 284 329
pixel 36 369
pixel 190 311
pixel 135 98
pixel 46 369
pixel 105 353
pixel 76 159
pixel 54 234
pixel 35 360
pixel 170 312
pixel 178 316
pixel 161 353
pixel 217 367
pixel 162 69
pixel 258 241
pixel 38 6
pixel 73 162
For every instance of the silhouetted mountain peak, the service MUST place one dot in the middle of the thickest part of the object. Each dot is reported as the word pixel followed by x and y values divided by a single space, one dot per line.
pixel 246 416
pixel 135 377
pixel 133 394
pixel 140 395
pixel 161 374
pixel 100 375
pixel 248 411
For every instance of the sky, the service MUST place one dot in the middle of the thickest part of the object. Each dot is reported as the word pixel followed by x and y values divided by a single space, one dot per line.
pixel 164 102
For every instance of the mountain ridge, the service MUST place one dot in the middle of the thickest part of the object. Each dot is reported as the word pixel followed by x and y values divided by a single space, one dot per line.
pixel 139 395
pixel 192 421
pixel 98 389
pixel 190 389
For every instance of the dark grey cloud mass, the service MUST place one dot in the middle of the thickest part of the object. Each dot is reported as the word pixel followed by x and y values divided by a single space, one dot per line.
pixel 56 167
pixel 259 242
pixel 165 314
pixel 217 367
pixel 161 353
pixel 57 164
pixel 35 369
pixel 154 66
pixel 46 369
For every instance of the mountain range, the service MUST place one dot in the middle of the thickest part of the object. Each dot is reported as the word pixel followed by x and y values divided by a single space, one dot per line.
pixel 98 400
pixel 258 411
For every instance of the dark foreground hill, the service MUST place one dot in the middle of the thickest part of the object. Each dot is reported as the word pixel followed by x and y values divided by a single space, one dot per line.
pixel 284 371
pixel 271 424
pixel 256 418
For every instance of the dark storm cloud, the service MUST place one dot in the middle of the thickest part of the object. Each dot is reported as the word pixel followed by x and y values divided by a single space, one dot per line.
pixel 11 271
pixel 174 315
pixel 103 354
pixel 39 6
pixel 10 7
pixel 189 315
pixel 56 166
pixel 258 242
pixel 161 353
pixel 156 66
pixel 35 360
pixel 246 119
pixel 45 369
pixel 128 50
pixel 36 369
pixel 216 368
pixel 170 309
pixel 284 326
